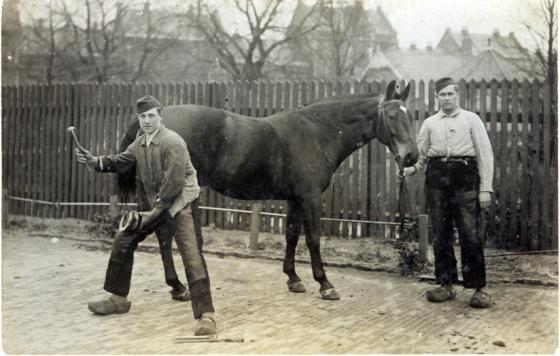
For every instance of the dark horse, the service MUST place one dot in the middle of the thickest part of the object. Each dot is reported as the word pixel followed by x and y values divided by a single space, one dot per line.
pixel 290 155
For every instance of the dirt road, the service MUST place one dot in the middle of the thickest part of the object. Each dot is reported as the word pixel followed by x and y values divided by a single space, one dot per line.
pixel 46 286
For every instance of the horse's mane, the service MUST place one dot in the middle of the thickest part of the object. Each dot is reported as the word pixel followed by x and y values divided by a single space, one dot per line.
pixel 339 103
pixel 349 98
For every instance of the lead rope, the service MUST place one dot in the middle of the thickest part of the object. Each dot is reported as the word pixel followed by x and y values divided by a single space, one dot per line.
pixel 402 185
pixel 402 198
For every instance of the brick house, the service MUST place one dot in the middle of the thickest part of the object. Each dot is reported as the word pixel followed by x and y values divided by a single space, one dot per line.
pixel 365 29
pixel 462 55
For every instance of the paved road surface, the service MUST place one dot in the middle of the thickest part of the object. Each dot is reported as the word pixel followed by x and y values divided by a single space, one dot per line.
pixel 46 286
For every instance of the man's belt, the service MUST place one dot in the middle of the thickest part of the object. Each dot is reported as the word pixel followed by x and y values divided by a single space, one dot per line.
pixel 453 159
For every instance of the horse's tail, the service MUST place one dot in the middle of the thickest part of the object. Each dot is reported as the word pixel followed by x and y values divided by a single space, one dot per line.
pixel 126 180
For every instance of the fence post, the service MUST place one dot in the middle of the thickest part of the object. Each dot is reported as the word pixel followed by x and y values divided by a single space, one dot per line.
pixel 5 208
pixel 255 226
pixel 113 209
pixel 423 236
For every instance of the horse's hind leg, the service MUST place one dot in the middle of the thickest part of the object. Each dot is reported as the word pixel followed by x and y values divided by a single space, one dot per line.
pixel 165 238
pixel 293 229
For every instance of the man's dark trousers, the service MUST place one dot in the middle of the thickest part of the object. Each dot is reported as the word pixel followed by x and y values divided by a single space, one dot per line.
pixel 119 269
pixel 452 190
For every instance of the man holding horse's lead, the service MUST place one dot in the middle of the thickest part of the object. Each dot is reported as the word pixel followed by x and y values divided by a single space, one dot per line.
pixel 455 146
pixel 167 184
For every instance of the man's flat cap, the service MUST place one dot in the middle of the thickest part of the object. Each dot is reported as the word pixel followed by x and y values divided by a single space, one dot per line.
pixel 443 82
pixel 146 103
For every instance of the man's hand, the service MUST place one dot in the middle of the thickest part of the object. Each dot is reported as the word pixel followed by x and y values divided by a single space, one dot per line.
pixel 149 216
pixel 484 198
pixel 85 157
pixel 407 171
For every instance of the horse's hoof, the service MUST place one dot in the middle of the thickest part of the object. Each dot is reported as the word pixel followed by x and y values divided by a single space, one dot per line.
pixel 180 296
pixel 296 287
pixel 329 294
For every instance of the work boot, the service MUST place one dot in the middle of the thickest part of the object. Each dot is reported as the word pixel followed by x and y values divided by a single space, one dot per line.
pixel 206 325
pixel 109 306
pixel 441 294
pixel 480 299
pixel 183 296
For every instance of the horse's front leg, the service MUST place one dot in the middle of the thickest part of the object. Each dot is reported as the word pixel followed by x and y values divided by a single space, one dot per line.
pixel 293 229
pixel 311 222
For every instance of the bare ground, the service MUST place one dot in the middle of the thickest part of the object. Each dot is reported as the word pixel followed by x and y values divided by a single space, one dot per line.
pixel 374 254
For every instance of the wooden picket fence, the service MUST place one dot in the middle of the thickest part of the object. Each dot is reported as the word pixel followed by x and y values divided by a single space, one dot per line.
pixel 42 176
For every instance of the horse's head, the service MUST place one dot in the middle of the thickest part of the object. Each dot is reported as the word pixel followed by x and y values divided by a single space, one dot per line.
pixel 395 128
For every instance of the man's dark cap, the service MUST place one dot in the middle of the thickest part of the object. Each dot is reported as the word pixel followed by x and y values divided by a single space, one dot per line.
pixel 443 82
pixel 146 103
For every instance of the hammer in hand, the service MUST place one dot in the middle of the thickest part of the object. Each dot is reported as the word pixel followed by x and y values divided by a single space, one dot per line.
pixel 72 130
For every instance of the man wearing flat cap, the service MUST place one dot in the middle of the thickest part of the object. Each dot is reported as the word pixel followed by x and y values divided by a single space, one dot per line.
pixel 455 149
pixel 167 184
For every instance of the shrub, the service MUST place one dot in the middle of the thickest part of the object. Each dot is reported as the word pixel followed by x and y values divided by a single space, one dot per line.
pixel 104 224
pixel 410 261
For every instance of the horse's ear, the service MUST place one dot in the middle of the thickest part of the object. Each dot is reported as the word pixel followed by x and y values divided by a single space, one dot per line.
pixel 390 90
pixel 404 94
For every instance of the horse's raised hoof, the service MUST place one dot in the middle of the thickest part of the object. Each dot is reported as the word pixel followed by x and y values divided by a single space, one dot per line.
pixel 329 294
pixel 296 287
pixel 183 296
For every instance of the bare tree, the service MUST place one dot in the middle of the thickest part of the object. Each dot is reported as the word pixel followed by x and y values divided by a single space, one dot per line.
pixel 244 56
pixel 154 35
pixel 339 43
pixel 115 40
pixel 96 31
pixel 46 37
pixel 542 25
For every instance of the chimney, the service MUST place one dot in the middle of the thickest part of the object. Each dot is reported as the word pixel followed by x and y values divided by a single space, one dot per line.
pixel 413 46
pixel 430 48
pixel 466 42
pixel 496 33
pixel 146 7
pixel 489 42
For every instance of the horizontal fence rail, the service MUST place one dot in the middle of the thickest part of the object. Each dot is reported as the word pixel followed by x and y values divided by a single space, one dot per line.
pixel 38 162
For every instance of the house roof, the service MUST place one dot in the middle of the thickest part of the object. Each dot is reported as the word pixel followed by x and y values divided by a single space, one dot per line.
pixel 413 63
pixel 425 64
pixel 491 64
pixel 380 22
pixel 422 63
pixel 508 46
pixel 377 61
pixel 372 21
pixel 299 14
